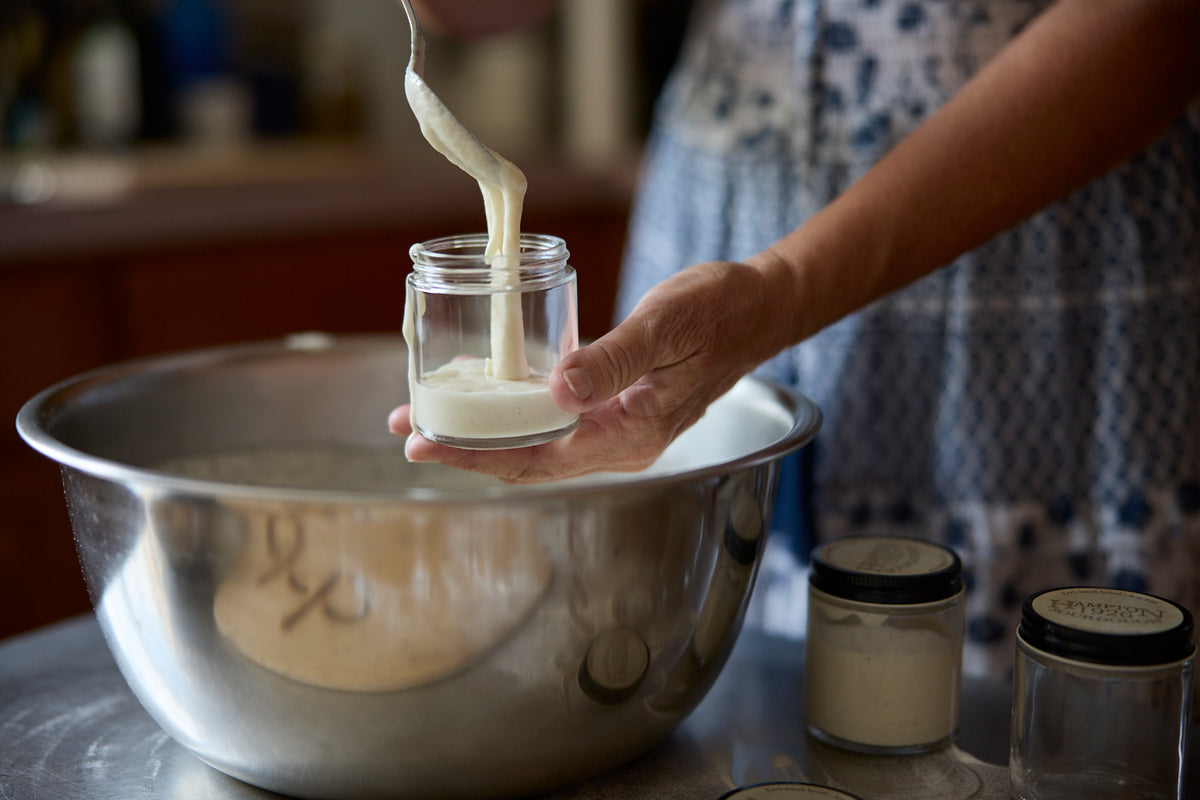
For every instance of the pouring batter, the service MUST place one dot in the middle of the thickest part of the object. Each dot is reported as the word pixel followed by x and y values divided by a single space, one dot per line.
pixel 504 383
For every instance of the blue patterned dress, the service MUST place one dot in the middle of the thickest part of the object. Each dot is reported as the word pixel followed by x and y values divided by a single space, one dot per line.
pixel 1036 404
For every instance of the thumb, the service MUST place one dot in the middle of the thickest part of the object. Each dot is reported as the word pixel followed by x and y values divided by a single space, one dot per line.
pixel 591 375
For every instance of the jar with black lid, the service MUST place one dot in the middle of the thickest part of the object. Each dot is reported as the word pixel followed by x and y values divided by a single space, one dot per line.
pixel 1101 695
pixel 883 669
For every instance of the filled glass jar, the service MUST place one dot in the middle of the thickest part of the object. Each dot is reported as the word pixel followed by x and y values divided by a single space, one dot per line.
pixel 883 663
pixel 484 332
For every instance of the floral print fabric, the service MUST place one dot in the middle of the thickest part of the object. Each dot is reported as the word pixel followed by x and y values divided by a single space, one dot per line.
pixel 1034 405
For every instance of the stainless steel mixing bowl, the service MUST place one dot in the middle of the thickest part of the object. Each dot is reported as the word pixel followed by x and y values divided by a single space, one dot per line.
pixel 306 611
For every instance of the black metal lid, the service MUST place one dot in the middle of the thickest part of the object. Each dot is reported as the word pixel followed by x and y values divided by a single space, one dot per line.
pixel 890 570
pixel 1107 626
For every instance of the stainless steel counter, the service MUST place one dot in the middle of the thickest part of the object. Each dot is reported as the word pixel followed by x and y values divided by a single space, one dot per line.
pixel 70 729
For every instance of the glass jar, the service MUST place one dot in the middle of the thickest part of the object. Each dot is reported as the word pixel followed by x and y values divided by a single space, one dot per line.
pixel 1101 696
pixel 484 333
pixel 883 663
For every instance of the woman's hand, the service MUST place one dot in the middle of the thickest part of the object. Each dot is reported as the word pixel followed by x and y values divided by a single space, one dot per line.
pixel 638 387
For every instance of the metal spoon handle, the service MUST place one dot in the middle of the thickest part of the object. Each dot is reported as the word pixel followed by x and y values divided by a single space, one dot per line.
pixel 416 58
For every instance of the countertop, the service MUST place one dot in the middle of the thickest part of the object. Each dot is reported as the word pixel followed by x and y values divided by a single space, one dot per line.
pixel 66 205
pixel 71 729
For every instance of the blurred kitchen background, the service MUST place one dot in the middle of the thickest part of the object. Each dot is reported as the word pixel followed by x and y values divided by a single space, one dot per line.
pixel 184 173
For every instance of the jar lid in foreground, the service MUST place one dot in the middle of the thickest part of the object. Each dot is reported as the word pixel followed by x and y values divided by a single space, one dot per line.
pixel 787 791
pixel 1107 626
pixel 890 570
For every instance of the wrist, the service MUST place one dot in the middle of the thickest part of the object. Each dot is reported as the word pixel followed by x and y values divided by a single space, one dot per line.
pixel 786 318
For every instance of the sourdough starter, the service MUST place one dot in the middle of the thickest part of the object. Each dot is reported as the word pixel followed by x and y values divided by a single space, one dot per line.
pixel 884 644
pixel 503 398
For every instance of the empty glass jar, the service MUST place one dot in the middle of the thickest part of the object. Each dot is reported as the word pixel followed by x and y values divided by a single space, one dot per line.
pixel 1101 696
pixel 484 332
pixel 883 668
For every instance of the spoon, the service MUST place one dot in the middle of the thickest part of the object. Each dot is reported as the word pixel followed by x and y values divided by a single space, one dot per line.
pixel 416 57
pixel 443 130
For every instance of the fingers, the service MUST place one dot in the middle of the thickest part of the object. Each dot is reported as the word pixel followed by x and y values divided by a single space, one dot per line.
pixel 592 375
pixel 636 388
pixel 607 439
pixel 400 420
pixel 667 327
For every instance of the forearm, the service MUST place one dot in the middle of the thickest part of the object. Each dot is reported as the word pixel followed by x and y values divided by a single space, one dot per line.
pixel 1087 85
pixel 472 18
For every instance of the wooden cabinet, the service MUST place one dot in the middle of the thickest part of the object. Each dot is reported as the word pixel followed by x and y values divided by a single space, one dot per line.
pixel 162 271
pixel 52 324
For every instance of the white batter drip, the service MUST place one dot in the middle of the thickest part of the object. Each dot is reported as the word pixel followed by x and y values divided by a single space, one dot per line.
pixel 463 396
pixel 503 187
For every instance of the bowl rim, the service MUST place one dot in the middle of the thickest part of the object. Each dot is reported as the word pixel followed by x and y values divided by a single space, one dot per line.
pixel 31 426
